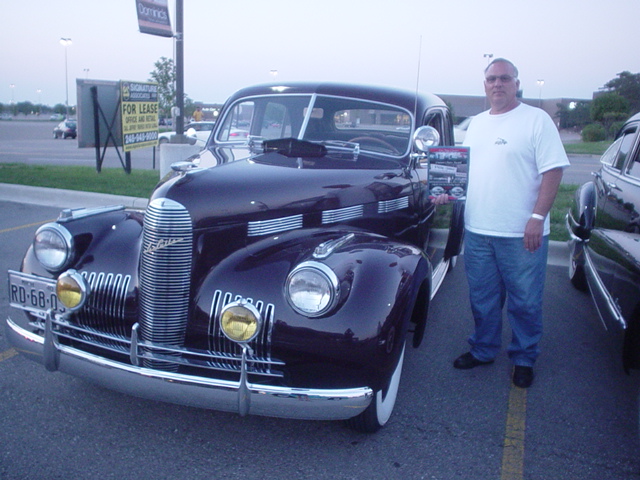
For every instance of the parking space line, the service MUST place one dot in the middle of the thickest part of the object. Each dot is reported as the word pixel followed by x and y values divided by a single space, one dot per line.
pixel 7 354
pixel 514 436
pixel 20 227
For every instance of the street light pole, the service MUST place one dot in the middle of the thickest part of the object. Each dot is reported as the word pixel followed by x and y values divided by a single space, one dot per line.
pixel 488 56
pixel 540 83
pixel 65 42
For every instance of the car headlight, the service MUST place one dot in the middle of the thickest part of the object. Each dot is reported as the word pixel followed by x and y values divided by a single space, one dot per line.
pixel 52 246
pixel 312 289
pixel 240 321
pixel 425 137
pixel 72 290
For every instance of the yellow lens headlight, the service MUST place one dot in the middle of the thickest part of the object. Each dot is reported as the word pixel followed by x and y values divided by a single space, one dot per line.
pixel 72 290
pixel 240 321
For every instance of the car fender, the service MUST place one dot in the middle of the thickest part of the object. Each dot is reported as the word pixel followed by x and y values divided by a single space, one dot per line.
pixel 379 282
pixel 581 218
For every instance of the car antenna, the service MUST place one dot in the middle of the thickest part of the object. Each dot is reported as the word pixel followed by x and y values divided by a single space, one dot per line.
pixel 415 106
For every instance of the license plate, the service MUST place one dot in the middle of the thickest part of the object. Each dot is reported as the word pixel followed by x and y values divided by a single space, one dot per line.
pixel 35 294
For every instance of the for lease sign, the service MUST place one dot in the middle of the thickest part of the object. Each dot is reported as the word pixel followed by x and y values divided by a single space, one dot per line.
pixel 139 106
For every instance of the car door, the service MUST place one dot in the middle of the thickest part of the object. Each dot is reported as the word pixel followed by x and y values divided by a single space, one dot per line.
pixel 616 219
pixel 442 219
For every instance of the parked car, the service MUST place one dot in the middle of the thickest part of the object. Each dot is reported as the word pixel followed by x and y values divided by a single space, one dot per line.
pixel 276 274
pixel 198 130
pixel 66 129
pixel 460 130
pixel 604 224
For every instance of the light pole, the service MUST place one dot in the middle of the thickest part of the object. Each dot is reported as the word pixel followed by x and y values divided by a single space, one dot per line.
pixel 488 56
pixel 12 86
pixel 65 42
pixel 540 83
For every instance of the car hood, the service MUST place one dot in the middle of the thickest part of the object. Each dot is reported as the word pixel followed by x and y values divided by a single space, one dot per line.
pixel 272 185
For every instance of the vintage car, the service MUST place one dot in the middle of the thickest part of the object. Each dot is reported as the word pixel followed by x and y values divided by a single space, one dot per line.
pixel 604 225
pixel 276 273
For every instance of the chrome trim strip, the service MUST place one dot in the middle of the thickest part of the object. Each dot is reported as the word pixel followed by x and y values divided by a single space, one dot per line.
pixel 611 305
pixel 201 392
pixel 387 206
pixel 269 227
pixel 69 214
pixel 342 214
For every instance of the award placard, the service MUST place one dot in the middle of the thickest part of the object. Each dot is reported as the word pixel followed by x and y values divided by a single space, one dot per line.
pixel 448 172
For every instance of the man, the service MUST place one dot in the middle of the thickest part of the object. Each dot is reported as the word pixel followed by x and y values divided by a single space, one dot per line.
pixel 515 168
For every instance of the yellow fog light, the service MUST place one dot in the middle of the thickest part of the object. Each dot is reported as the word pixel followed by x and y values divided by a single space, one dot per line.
pixel 72 290
pixel 240 321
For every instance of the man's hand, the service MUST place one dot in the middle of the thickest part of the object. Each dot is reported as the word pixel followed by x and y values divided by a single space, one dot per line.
pixel 533 234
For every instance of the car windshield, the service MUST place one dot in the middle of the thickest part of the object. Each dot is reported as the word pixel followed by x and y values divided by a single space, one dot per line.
pixel 370 126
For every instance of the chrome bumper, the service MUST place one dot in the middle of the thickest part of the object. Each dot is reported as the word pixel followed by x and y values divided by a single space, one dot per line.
pixel 241 397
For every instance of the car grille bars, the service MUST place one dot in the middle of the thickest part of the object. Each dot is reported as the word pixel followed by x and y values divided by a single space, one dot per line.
pixel 165 270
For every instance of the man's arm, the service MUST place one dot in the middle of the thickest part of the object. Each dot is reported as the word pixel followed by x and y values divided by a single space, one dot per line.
pixel 548 190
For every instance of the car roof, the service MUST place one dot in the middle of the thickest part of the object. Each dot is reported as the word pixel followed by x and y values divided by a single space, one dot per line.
pixel 394 96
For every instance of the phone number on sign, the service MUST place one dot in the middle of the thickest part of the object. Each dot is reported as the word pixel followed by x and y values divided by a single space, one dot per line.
pixel 140 137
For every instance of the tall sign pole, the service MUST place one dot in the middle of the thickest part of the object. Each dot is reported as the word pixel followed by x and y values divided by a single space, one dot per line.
pixel 180 71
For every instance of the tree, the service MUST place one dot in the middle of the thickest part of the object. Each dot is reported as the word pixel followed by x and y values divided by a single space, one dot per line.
pixel 165 76
pixel 576 115
pixel 627 85
pixel 609 108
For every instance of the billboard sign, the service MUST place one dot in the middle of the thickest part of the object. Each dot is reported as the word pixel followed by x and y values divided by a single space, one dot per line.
pixel 153 17
pixel 139 107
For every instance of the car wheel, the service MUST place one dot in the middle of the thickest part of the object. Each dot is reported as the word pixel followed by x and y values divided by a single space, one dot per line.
pixel 379 410
pixel 576 267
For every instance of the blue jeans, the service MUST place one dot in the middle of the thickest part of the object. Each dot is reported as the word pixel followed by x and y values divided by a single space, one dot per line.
pixel 499 269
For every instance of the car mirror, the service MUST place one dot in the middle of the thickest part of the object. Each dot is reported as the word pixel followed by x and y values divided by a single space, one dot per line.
pixel 424 138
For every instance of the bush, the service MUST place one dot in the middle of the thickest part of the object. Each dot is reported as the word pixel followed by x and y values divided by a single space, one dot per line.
pixel 594 132
pixel 615 128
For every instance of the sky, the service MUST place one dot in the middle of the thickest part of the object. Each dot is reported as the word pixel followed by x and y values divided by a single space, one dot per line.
pixel 574 46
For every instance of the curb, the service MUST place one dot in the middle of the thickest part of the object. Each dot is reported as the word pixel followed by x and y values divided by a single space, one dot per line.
pixel 57 198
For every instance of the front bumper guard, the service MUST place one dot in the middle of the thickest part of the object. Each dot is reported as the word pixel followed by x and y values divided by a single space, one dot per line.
pixel 240 397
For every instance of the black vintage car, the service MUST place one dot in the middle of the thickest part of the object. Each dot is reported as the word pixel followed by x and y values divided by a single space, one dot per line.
pixel 276 273
pixel 604 225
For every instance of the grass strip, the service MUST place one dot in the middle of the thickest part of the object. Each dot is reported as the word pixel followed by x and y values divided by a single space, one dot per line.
pixel 140 183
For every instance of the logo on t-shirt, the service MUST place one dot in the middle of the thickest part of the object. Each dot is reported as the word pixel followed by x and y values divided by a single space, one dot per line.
pixel 501 141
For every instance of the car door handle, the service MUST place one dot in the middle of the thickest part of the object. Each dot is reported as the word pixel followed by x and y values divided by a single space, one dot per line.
pixel 613 186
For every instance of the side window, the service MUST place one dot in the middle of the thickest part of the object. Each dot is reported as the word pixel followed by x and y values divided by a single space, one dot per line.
pixel 276 122
pixel 237 124
pixel 626 145
pixel 441 121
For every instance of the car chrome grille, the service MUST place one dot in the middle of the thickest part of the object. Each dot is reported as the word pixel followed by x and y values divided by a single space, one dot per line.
pixel 165 274
pixel 269 227
pixel 230 352
pixel 342 214
pixel 387 206
pixel 105 307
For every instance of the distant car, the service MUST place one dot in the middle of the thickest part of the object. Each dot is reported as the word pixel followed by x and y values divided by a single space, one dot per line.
pixel 460 130
pixel 56 116
pixel 604 225
pixel 66 129
pixel 198 130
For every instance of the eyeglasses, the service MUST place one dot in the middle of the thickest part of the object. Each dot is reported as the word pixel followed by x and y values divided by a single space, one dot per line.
pixel 502 78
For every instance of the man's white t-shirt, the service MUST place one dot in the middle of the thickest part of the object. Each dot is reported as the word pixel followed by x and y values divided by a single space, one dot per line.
pixel 508 155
